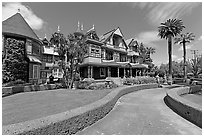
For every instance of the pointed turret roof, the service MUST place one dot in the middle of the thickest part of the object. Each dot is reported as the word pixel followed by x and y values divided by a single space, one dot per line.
pixel 17 25
pixel 79 30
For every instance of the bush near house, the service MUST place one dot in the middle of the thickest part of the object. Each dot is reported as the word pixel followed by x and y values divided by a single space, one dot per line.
pixel 139 80
pixel 14 64
pixel 17 82
pixel 91 85
pixel 82 84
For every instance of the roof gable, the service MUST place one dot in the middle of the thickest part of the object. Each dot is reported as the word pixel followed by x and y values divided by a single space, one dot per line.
pixel 118 32
pixel 16 24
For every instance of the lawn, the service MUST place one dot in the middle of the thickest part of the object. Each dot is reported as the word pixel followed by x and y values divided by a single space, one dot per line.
pixel 32 105
pixel 195 98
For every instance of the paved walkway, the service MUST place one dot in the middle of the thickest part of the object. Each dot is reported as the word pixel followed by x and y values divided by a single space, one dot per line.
pixel 142 113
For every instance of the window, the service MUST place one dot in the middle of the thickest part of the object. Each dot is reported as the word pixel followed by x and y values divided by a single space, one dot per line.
pixel 103 54
pixel 29 46
pixel 95 51
pixel 43 74
pixel 45 58
pixel 122 58
pixel 102 72
pixel 109 55
pixel 35 48
pixel 49 58
pixel 35 71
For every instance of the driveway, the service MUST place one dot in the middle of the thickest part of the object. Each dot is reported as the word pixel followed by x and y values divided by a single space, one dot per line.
pixel 142 113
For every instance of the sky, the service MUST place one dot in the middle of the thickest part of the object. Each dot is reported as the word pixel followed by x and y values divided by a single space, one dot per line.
pixel 138 20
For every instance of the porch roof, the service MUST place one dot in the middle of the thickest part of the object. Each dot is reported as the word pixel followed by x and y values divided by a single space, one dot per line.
pixel 114 64
pixel 34 59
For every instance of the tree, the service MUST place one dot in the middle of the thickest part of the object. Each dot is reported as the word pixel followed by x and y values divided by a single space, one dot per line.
pixel 60 44
pixel 149 51
pixel 183 39
pixel 196 66
pixel 167 30
pixel 77 50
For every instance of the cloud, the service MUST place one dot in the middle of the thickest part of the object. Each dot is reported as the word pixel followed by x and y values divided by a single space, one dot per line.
pixel 200 38
pixel 160 12
pixel 9 9
pixel 187 47
pixel 148 38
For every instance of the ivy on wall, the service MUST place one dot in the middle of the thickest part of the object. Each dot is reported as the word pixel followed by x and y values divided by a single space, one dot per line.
pixel 14 63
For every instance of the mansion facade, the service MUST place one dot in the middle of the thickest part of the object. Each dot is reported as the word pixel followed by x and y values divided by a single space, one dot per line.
pixel 108 56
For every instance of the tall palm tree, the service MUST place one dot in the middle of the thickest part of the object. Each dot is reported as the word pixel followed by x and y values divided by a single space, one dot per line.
pixel 167 30
pixel 183 39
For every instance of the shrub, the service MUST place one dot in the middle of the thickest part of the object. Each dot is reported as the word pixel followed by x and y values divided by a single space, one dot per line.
pixel 139 80
pixel 17 82
pixel 59 85
pixel 97 86
pixel 82 84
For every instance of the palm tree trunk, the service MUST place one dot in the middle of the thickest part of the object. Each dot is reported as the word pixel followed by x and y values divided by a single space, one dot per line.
pixel 170 58
pixel 184 60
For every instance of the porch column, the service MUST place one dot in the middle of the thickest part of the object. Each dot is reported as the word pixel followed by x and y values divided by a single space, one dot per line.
pixel 131 72
pixel 118 72
pixel 124 72
pixel 109 73
pixel 91 71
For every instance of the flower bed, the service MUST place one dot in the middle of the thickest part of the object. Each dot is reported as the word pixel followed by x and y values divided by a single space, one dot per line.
pixel 94 86
pixel 139 80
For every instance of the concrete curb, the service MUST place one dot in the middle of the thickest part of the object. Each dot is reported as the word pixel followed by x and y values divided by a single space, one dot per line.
pixel 185 108
pixel 7 91
pixel 74 120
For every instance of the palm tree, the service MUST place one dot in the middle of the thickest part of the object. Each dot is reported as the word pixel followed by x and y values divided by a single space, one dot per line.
pixel 183 39
pixel 167 30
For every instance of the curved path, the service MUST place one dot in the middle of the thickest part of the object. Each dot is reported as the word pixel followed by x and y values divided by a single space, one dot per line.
pixel 142 112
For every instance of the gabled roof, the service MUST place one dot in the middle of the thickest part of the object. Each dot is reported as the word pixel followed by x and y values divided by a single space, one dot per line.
pixel 128 41
pixel 105 37
pixel 16 24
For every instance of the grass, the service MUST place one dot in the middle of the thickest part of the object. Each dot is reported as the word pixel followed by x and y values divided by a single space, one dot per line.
pixel 195 98
pixel 32 105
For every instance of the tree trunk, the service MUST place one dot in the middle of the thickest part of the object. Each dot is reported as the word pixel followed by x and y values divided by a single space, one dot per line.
pixel 170 59
pixel 184 61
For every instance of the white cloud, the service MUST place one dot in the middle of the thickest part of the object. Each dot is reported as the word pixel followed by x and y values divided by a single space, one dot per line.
pixel 148 38
pixel 187 47
pixel 9 9
pixel 158 12
pixel 200 38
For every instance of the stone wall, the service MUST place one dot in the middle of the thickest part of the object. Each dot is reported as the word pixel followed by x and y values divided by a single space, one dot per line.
pixel 185 108
pixel 72 121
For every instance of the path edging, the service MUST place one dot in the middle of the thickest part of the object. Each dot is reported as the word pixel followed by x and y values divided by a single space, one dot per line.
pixel 185 108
